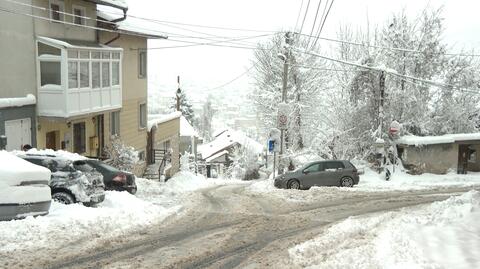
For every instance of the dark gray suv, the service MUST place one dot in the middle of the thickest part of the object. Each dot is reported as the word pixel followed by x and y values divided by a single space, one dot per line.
pixel 321 173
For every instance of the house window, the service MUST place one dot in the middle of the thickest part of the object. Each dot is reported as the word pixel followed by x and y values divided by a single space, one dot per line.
pixel 115 73
pixel 79 141
pixel 115 123
pixel 84 75
pixel 105 74
pixel 79 15
pixel 50 73
pixel 57 8
pixel 142 64
pixel 72 75
pixel 143 116
pixel 472 154
pixel 95 75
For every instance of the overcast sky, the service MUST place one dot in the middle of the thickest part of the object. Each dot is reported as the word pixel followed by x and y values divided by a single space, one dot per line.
pixel 205 67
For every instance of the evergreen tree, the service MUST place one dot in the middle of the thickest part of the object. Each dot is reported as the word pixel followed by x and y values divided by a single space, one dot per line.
pixel 185 108
pixel 206 120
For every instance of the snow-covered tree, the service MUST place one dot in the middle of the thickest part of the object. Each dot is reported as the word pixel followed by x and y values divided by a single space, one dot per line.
pixel 122 157
pixel 185 108
pixel 206 120
pixel 244 164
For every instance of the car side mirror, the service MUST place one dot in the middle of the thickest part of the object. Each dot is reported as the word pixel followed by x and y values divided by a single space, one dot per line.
pixel 305 172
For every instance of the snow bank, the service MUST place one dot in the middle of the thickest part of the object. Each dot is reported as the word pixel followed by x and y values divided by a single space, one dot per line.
pixel 119 214
pixel 20 101
pixel 442 235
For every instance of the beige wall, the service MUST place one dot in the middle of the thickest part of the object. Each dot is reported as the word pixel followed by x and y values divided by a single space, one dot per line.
pixel 438 159
pixel 65 133
pixel 169 130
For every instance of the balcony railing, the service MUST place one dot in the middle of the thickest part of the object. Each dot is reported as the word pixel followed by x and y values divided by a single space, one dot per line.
pixel 77 79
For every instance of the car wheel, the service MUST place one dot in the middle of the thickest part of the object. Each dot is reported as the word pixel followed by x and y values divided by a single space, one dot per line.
pixel 63 197
pixel 294 184
pixel 346 182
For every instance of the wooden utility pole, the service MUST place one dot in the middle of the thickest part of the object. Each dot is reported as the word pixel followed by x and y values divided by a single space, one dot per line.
pixel 381 103
pixel 284 97
pixel 179 93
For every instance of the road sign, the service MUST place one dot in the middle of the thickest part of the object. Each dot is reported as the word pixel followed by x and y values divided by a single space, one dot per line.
pixel 282 116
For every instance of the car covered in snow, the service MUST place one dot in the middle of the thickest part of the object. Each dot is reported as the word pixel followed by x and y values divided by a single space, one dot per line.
pixel 24 188
pixel 339 173
pixel 72 181
pixel 113 178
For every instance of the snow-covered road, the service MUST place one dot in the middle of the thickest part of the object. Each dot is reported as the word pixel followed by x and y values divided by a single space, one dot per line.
pixel 193 222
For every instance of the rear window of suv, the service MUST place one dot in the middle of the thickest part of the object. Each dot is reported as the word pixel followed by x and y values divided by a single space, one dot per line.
pixel 82 166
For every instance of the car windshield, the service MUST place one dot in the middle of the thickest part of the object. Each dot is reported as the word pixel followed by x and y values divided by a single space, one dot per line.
pixel 102 165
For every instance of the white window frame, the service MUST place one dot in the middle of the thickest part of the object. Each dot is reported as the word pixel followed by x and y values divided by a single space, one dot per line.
pixel 61 5
pixel 144 67
pixel 83 10
pixel 142 122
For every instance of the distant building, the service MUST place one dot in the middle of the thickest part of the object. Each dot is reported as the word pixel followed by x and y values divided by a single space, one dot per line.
pixel 440 154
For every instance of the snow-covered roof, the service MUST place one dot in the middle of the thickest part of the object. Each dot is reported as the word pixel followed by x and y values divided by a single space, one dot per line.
pixel 156 119
pixel 216 155
pixel 227 139
pixel 186 129
pixel 413 140
pixel 15 170
pixel 122 4
pixel 75 44
pixel 133 25
pixel 20 101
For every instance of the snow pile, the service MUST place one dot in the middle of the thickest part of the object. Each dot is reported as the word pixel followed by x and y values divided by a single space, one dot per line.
pixel 58 153
pixel 442 235
pixel 20 101
pixel 155 119
pixel 15 171
pixel 372 181
pixel 119 214
pixel 186 182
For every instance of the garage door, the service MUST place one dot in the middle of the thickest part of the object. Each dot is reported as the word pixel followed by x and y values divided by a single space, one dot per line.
pixel 18 133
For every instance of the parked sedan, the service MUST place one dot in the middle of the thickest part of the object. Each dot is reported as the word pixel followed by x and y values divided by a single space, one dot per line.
pixel 24 188
pixel 72 181
pixel 321 173
pixel 114 179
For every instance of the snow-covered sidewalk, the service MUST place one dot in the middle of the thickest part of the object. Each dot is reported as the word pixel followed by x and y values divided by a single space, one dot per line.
pixel 444 234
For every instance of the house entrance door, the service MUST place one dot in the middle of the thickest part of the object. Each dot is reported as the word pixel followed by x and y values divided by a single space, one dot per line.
pixel 51 140
pixel 18 133
pixel 462 159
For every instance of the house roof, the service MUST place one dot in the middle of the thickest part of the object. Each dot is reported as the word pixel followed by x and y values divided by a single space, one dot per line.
pixel 227 139
pixel 155 119
pixel 216 155
pixel 133 25
pixel 121 4
pixel 74 44
pixel 413 140
pixel 186 129
pixel 18 101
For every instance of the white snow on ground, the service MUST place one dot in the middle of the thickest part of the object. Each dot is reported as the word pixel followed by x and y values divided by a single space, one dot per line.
pixel 371 181
pixel 119 214
pixel 444 234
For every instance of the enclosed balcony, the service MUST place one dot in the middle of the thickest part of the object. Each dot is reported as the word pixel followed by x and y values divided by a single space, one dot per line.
pixel 77 78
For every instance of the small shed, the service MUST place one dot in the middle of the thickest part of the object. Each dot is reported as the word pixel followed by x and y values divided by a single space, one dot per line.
pixel 440 154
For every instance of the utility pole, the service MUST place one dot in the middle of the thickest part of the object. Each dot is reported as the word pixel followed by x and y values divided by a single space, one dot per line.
pixel 381 103
pixel 179 93
pixel 285 58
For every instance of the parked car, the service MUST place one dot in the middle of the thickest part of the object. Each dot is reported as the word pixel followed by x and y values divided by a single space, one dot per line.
pixel 72 181
pixel 113 178
pixel 321 173
pixel 24 188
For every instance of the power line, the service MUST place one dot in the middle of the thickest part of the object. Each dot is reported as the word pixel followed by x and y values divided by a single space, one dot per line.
pixel 298 16
pixel 305 16
pixel 315 21
pixel 386 70
pixel 323 23
pixel 387 48
pixel 233 80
